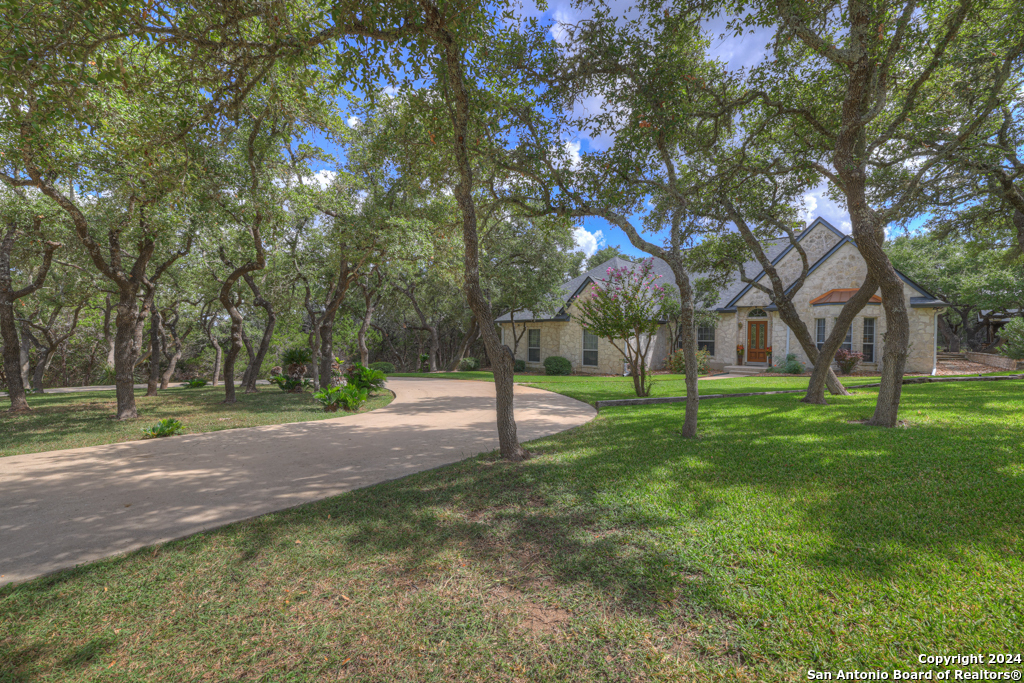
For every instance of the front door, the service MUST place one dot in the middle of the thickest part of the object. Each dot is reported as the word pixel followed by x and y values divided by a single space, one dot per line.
pixel 757 341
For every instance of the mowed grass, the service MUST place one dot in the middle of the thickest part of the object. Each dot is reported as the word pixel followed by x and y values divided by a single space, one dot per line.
pixel 592 389
pixel 74 420
pixel 784 539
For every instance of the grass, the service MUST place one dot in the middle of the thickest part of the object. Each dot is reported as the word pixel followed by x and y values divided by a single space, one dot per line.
pixel 73 420
pixel 784 539
pixel 591 389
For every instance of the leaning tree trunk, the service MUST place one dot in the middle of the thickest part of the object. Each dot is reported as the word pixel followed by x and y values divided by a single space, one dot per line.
pixel 501 357
pixel 364 351
pixel 823 364
pixel 41 367
pixel 172 364
pixel 234 347
pixel 464 347
pixel 154 354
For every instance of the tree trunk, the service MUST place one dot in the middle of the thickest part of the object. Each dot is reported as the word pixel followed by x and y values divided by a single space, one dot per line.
pixel 326 360
pixel 155 320
pixel 234 346
pixel 12 357
pixel 252 373
pixel 126 352
pixel 464 347
pixel 42 365
pixel 364 350
pixel 896 340
pixel 501 357
pixel 823 363
pixel 218 356
pixel 689 349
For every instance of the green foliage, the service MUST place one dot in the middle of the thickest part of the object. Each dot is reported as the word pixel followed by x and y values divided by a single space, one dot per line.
pixel 365 378
pixel 1013 333
pixel 195 383
pixel 291 385
pixel 166 427
pixel 556 365
pixel 349 397
pixel 848 360
pixel 519 365
pixel 297 356
pixel 424 362
pixel 383 366
pixel 468 364
pixel 677 362
pixel 789 366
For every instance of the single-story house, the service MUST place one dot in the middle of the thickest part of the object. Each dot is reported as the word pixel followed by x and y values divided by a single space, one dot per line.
pixel 746 315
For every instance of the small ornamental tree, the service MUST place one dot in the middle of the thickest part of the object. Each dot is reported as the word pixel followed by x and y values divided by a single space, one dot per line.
pixel 625 310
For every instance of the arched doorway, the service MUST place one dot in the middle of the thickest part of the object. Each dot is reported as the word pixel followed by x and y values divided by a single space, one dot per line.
pixel 757 336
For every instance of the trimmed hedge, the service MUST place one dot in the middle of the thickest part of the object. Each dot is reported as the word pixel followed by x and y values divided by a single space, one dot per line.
pixel 384 366
pixel 556 365
pixel 520 365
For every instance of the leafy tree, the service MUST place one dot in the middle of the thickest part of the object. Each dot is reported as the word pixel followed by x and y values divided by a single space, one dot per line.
pixel 970 278
pixel 624 310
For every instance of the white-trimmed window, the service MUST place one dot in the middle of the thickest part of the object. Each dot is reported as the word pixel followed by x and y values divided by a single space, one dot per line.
pixel 868 343
pixel 533 346
pixel 848 342
pixel 706 339
pixel 819 331
pixel 589 349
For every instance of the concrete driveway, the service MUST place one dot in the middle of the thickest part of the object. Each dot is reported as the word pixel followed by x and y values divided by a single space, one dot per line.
pixel 59 509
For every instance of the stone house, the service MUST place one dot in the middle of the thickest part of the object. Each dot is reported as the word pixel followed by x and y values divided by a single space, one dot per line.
pixel 746 315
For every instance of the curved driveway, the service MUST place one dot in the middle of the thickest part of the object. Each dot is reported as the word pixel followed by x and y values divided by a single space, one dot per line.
pixel 62 508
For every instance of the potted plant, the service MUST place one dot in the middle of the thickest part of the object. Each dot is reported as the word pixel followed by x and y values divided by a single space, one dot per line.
pixel 739 353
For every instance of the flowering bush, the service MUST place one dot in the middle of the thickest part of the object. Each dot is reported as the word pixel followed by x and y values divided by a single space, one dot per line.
pixel 625 309
pixel 848 361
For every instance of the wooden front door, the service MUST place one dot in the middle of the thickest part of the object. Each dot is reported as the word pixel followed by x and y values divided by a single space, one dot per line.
pixel 757 341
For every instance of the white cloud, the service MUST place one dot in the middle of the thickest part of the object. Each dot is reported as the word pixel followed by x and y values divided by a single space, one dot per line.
pixel 810 207
pixel 353 121
pixel 324 178
pixel 573 150
pixel 588 242
pixel 846 227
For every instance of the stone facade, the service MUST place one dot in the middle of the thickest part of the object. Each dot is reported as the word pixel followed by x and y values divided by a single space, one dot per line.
pixel 836 264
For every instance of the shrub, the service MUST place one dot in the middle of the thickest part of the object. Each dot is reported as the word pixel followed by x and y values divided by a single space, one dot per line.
pixel 424 362
pixel 519 365
pixel 383 366
pixel 329 397
pixel 677 362
pixel 351 397
pixel 791 365
pixel 556 365
pixel 296 359
pixel 166 427
pixel 848 361
pixel 468 364
pixel 292 385
pixel 365 378
pixel 1013 333
pixel 196 383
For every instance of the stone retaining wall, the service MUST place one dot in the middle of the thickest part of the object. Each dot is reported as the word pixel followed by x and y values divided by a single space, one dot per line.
pixel 993 360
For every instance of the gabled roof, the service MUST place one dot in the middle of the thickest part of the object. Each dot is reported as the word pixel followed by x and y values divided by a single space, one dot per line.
pixel 840 296
pixel 731 293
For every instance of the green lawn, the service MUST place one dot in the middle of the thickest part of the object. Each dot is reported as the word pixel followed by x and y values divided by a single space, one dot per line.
pixel 591 389
pixel 784 539
pixel 85 419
